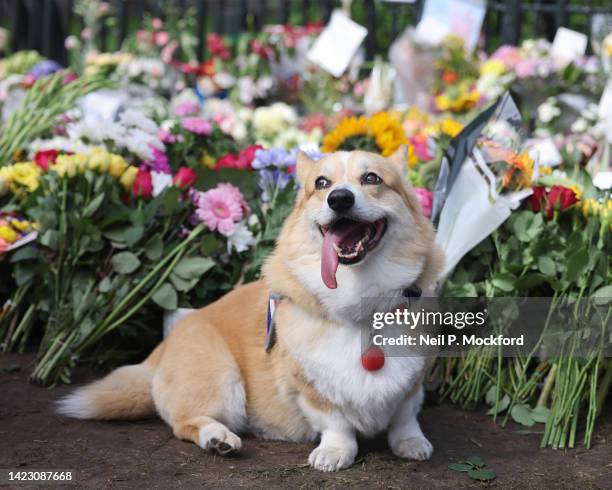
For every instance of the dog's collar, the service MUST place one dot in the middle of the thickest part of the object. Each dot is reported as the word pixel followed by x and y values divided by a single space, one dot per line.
pixel 413 291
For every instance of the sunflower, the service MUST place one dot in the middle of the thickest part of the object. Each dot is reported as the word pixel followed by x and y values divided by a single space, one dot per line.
pixel 381 133
pixel 346 131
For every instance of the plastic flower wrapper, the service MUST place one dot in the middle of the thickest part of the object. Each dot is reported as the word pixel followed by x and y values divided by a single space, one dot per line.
pixel 468 205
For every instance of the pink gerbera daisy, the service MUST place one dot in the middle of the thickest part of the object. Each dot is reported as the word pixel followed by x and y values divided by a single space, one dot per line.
pixel 220 208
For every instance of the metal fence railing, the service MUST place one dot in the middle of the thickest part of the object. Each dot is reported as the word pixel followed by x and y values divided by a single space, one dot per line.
pixel 44 24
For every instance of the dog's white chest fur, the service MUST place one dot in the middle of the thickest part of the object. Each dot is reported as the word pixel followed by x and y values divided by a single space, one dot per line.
pixel 332 363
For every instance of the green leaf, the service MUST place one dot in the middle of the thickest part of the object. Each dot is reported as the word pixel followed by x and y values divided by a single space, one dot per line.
pixel 491 395
pixel 182 285
pixel 208 244
pixel 166 297
pixel 154 248
pixel 540 414
pixel 50 239
pixel 133 234
pixel 460 467
pixel 193 267
pixel 521 414
pixel 505 282
pixel 603 295
pixel 105 285
pixel 476 461
pixel 482 475
pixel 530 280
pixel 93 206
pixel 546 265
pixel 25 253
pixel 125 262
pixel 504 402
pixel 116 235
pixel 577 264
pixel 24 272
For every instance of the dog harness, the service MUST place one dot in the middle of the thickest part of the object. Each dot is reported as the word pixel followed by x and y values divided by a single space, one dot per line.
pixel 372 359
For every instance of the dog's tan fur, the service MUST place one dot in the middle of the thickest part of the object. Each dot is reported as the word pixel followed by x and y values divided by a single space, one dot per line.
pixel 212 377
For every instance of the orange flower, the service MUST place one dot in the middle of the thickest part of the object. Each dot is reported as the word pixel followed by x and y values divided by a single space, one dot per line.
pixel 449 77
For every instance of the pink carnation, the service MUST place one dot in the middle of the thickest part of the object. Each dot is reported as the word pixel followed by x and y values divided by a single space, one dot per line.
pixel 526 68
pixel 425 198
pixel 187 108
pixel 508 55
pixel 197 125
pixel 220 208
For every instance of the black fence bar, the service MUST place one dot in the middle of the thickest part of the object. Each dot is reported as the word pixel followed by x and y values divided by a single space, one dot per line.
pixel 43 25
pixel 201 28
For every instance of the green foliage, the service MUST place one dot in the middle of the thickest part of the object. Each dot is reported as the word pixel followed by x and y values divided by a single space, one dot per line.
pixel 475 468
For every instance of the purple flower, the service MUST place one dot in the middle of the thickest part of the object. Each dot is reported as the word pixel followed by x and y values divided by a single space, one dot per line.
pixel 44 68
pixel 272 181
pixel 281 158
pixel 197 125
pixel 159 163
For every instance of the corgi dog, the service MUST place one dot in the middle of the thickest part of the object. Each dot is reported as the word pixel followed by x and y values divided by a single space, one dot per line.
pixel 355 240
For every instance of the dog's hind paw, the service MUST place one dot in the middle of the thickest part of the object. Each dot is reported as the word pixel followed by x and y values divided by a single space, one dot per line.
pixel 217 437
pixel 325 458
pixel 417 448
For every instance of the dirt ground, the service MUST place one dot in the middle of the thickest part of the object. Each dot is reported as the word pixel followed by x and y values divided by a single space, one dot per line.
pixel 146 455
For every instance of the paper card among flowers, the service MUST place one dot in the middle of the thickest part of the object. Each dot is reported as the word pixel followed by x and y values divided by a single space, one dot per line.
pixel 568 45
pixel 337 44
pixel 461 18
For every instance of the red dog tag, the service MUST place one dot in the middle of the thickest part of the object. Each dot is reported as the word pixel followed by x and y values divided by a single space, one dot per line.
pixel 373 359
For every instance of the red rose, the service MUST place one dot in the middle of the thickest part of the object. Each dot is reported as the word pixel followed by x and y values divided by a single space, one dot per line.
pixel 261 49
pixel 539 193
pixel 246 157
pixel 185 177
pixel 143 185
pixel 217 47
pixel 229 160
pixel 560 198
pixel 45 158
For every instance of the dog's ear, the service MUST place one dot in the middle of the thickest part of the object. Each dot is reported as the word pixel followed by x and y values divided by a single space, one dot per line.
pixel 304 164
pixel 400 157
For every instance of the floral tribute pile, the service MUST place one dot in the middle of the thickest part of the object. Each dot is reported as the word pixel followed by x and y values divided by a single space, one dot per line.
pixel 146 180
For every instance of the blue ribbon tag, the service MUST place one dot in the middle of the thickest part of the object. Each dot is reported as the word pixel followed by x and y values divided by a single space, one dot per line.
pixel 273 301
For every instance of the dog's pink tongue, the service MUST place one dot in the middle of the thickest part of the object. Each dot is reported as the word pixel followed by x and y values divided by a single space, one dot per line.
pixel 329 257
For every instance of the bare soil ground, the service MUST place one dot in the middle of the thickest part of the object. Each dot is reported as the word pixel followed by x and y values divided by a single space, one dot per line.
pixel 146 455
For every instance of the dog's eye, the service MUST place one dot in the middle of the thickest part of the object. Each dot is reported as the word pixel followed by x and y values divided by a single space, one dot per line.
pixel 322 183
pixel 371 179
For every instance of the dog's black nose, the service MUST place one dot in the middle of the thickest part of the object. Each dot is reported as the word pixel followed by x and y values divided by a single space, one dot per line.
pixel 341 200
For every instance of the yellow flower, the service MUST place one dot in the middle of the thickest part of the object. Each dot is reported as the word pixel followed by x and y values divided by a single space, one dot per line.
pixel 8 234
pixel 20 225
pixel 545 170
pixel 65 166
pixel 466 99
pixel 117 166
pixel 99 159
pixel 207 160
pixel 387 131
pixel 128 177
pixel 493 67
pixel 384 129
pixel 21 175
pixel 348 127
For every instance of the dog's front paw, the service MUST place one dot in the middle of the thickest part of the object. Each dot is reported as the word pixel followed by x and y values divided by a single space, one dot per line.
pixel 217 437
pixel 417 448
pixel 327 458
